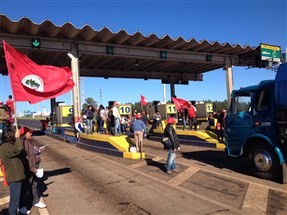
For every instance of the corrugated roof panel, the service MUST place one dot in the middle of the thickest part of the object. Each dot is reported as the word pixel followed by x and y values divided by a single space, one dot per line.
pixel 149 61
pixel 149 41
pixel 164 42
pixel 135 39
pixel 103 35
pixel 120 37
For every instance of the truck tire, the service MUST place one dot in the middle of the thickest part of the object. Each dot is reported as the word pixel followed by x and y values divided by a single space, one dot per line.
pixel 264 161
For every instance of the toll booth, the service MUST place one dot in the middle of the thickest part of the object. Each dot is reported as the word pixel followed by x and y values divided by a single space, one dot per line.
pixel 125 110
pixel 62 118
pixel 165 110
pixel 203 109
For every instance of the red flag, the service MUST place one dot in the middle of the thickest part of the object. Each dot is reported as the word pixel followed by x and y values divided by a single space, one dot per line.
pixel 143 100
pixel 34 83
pixel 179 103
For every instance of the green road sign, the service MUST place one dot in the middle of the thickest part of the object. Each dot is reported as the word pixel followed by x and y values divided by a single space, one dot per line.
pixel 163 54
pixel 110 50
pixel 270 53
pixel 36 43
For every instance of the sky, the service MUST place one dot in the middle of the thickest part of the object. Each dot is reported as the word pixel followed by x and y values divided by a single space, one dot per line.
pixel 243 22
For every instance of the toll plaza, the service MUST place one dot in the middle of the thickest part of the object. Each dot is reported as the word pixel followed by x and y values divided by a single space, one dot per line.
pixel 104 54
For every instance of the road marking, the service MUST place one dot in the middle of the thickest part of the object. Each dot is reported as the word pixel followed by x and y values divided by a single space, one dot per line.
pixel 255 194
pixel 183 176
pixel 4 200
pixel 43 211
pixel 205 198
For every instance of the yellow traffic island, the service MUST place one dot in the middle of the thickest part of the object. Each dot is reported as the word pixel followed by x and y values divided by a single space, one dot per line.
pixel 204 135
pixel 107 144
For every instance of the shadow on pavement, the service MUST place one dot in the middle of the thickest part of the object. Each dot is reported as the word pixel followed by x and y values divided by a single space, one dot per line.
pixel 151 162
pixel 43 186
pixel 218 159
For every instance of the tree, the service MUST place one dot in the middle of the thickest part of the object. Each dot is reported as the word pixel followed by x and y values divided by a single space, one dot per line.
pixel 89 101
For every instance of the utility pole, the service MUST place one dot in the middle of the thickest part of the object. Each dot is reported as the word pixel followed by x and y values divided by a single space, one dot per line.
pixel 100 97
pixel 82 92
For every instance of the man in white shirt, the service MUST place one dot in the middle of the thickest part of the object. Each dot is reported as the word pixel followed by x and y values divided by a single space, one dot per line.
pixel 117 117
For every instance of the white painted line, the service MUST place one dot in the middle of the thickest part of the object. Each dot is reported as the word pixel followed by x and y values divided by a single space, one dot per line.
pixel 43 211
pixel 183 176
pixel 255 194
pixel 4 200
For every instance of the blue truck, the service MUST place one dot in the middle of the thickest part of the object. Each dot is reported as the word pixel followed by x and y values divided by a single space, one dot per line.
pixel 256 126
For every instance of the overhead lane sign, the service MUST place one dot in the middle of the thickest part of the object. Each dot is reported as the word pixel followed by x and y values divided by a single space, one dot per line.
pixel 270 53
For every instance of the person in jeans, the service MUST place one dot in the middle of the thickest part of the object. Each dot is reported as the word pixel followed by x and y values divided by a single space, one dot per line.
pixel 90 117
pixel 33 156
pixel 139 129
pixel 183 112
pixel 174 145
pixel 11 153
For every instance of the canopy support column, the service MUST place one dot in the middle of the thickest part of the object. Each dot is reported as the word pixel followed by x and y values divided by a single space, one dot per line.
pixel 229 81
pixel 172 89
pixel 76 88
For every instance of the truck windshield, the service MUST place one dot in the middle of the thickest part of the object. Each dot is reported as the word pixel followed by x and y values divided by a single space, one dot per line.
pixel 241 103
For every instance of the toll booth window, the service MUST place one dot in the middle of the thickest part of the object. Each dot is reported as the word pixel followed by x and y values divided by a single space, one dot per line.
pixel 242 103
pixel 263 101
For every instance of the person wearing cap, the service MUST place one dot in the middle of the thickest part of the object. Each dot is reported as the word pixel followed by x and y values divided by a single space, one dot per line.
pixel 139 129
pixel 174 145
pixel 12 156
pixel 117 117
pixel 33 156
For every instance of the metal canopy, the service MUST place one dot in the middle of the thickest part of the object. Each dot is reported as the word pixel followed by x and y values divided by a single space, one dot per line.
pixel 134 56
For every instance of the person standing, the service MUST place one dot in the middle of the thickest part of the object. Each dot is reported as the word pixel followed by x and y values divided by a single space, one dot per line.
pixel 100 119
pixel 183 112
pixel 11 153
pixel 220 126
pixel 110 120
pixel 117 117
pixel 90 117
pixel 33 156
pixel 192 116
pixel 174 145
pixel 139 129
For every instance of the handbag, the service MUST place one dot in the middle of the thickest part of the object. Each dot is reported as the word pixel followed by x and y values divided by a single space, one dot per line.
pixel 166 142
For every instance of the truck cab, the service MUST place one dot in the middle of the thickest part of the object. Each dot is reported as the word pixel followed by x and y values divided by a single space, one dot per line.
pixel 256 128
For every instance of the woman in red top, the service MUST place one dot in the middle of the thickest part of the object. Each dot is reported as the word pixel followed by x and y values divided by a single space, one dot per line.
pixel 192 116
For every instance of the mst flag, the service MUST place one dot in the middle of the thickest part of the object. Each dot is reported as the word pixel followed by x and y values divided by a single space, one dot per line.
pixel 34 83
pixel 143 100
pixel 179 103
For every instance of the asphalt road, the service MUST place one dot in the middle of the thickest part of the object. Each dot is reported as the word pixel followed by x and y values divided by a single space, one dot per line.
pixel 78 181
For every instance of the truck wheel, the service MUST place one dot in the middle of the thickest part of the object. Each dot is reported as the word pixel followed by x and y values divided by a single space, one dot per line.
pixel 264 161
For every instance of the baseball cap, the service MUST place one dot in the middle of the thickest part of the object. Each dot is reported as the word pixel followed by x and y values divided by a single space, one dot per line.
pixel 171 120
pixel 24 130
